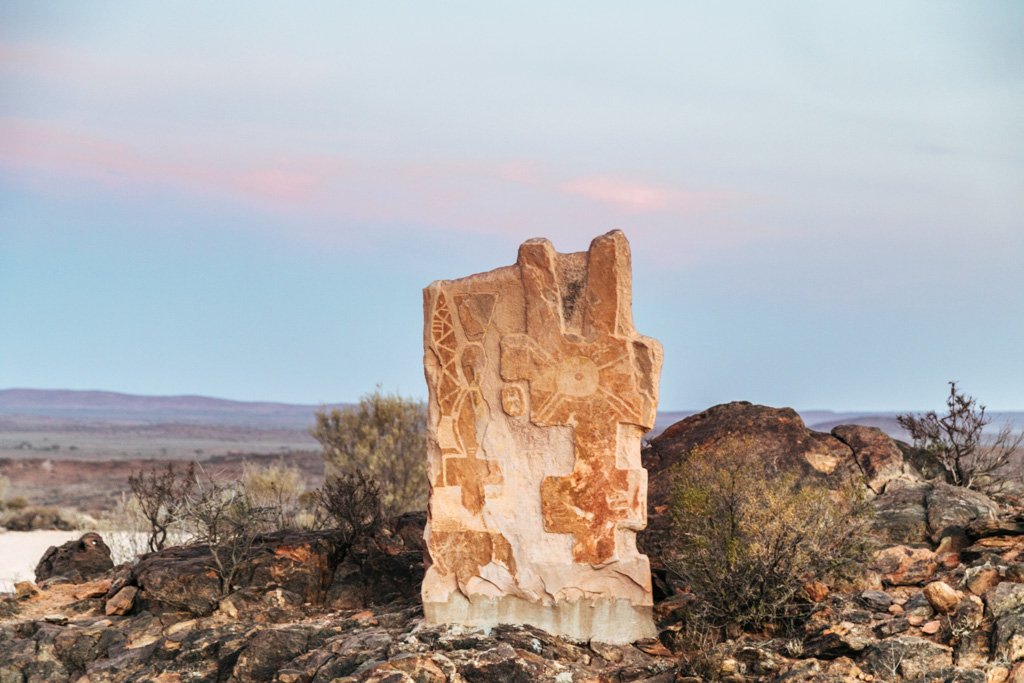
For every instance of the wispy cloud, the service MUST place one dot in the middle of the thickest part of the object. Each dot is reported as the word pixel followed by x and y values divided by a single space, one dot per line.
pixel 641 197
pixel 324 193
pixel 59 151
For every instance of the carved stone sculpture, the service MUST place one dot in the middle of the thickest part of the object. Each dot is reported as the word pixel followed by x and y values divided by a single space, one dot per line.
pixel 540 391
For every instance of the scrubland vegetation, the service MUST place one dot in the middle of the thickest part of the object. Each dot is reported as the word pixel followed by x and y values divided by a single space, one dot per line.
pixel 748 537
pixel 384 437
pixel 376 456
pixel 771 562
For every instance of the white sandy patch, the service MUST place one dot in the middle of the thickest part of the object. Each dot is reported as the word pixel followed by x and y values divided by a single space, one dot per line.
pixel 20 552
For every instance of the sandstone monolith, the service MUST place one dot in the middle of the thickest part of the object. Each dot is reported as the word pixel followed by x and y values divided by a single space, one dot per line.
pixel 540 390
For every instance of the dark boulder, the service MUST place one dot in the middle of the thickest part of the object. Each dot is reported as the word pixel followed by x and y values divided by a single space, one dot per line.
pixel 908 657
pixel 778 434
pixel 954 508
pixel 76 561
pixel 901 513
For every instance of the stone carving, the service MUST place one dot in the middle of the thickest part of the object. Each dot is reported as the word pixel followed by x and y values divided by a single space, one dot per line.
pixel 540 391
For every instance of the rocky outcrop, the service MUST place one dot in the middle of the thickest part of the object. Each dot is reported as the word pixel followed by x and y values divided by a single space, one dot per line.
pixel 287 569
pixel 851 453
pixel 775 433
pixel 389 643
pixel 879 458
pixel 951 509
pixel 310 611
pixel 540 392
pixel 75 561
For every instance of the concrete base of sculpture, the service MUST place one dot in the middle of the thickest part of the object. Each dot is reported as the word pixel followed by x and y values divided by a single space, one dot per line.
pixel 607 620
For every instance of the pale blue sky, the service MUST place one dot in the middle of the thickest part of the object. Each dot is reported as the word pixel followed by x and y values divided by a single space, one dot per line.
pixel 825 200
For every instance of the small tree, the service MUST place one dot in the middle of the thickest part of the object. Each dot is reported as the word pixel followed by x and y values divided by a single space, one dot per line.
pixel 748 537
pixel 160 495
pixel 957 441
pixel 384 437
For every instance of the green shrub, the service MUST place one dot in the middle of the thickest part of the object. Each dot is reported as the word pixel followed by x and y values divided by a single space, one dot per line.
pixel 747 537
pixel 383 437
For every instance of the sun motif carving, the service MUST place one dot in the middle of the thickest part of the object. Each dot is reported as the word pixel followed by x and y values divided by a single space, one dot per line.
pixel 591 381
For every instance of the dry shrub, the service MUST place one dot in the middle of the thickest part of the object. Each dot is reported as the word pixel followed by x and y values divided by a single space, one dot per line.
pixel 353 502
pixel 160 495
pixel 958 442
pixel 278 489
pixel 5 484
pixel 222 517
pixel 748 536
pixel 385 436
pixel 127 531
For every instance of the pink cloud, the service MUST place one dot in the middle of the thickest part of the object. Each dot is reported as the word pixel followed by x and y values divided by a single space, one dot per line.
pixel 63 151
pixel 326 194
pixel 623 194
pixel 639 197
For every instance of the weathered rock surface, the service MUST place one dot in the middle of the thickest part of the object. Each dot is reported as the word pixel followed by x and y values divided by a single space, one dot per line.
pixel 905 566
pixel 908 657
pixel 75 561
pixel 288 568
pixel 954 508
pixel 901 513
pixel 540 392
pixel 877 455
pixel 777 433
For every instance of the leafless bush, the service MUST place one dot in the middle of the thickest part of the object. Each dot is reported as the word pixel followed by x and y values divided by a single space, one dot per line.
pixel 353 503
pixel 957 441
pixel 127 531
pixel 748 537
pixel 224 519
pixel 160 495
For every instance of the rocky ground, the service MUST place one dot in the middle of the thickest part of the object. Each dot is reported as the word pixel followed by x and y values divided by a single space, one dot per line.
pixel 942 601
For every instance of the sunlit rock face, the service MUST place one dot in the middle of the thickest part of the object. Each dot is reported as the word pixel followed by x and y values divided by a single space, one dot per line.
pixel 540 391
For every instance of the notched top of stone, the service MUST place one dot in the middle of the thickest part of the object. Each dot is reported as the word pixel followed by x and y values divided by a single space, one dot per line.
pixel 572 266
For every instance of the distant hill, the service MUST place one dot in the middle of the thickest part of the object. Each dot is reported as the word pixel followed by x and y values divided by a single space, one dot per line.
pixel 50 407
pixel 113 407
